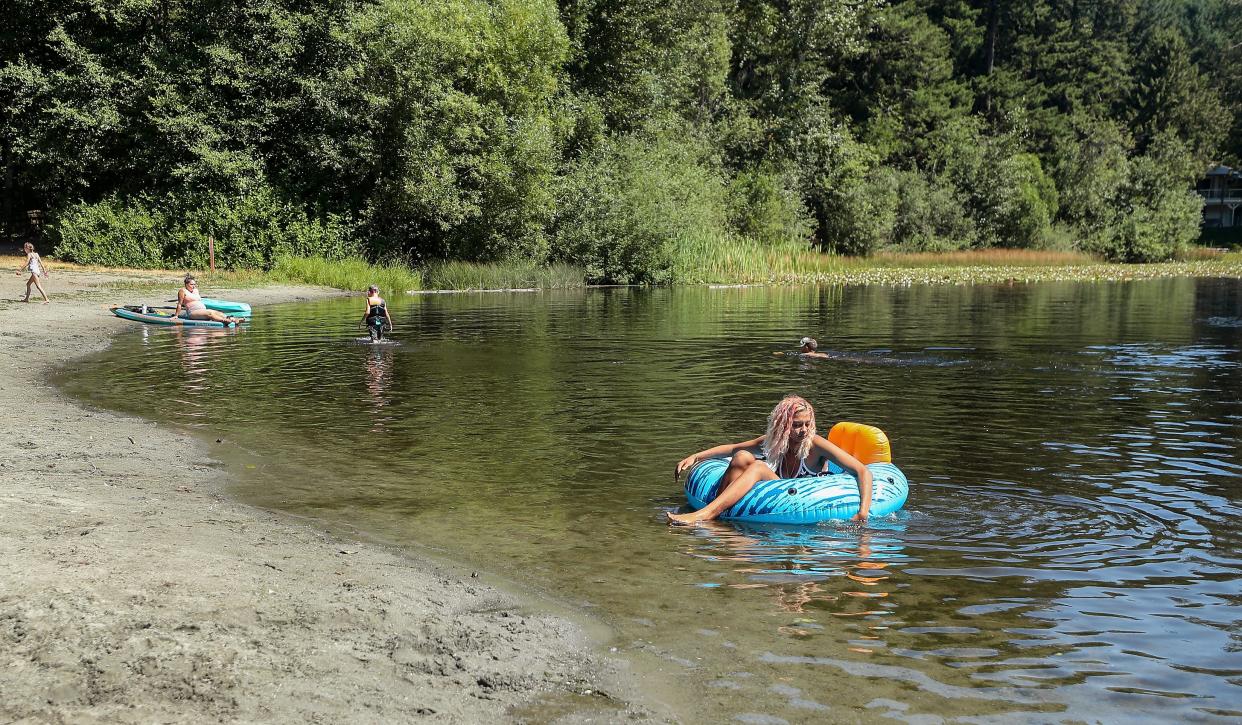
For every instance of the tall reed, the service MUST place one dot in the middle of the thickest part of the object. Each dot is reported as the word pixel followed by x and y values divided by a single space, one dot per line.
pixel 707 259
pixel 984 258
pixel 352 274
pixel 501 275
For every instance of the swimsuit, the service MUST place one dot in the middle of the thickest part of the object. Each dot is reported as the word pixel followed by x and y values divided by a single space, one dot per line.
pixel 33 265
pixel 803 470
pixel 374 311
pixel 193 302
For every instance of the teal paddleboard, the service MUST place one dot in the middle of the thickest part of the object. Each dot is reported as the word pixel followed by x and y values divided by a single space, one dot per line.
pixel 150 316
pixel 236 309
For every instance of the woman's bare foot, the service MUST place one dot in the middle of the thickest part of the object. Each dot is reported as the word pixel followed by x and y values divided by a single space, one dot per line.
pixel 683 519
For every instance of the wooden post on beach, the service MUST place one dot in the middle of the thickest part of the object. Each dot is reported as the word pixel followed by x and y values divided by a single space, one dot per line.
pixel 211 252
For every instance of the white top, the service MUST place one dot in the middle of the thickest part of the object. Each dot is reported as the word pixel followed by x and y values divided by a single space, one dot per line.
pixel 193 301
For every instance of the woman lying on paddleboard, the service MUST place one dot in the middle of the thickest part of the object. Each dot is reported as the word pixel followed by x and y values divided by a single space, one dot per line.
pixel 189 298
pixel 788 446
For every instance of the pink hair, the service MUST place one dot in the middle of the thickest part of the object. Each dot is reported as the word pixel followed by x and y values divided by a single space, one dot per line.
pixel 780 423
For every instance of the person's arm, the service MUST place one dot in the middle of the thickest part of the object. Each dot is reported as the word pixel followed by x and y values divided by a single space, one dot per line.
pixel 854 467
pixel 177 310
pixel 388 316
pixel 366 310
pixel 726 449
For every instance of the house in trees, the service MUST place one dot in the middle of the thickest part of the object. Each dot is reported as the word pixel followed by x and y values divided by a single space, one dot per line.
pixel 1221 189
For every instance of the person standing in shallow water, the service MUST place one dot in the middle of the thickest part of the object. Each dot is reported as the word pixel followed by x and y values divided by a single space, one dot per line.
pixel 787 447
pixel 376 318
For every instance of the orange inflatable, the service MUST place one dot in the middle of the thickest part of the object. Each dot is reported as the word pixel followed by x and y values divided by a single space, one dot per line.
pixel 865 442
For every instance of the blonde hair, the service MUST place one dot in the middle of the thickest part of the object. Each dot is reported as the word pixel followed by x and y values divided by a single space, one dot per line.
pixel 27 247
pixel 780 423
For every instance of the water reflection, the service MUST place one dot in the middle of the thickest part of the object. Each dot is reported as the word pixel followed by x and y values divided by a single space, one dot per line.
pixel 379 368
pixel 196 346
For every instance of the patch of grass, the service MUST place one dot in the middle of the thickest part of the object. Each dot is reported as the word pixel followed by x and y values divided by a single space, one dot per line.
pixel 706 259
pixel 1193 254
pixel 985 258
pixel 501 275
pixel 348 274
pixel 740 261
pixel 700 261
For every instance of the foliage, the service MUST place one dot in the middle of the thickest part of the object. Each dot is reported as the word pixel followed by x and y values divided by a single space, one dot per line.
pixel 624 136
pixel 1155 216
pixel 454 102
pixel 350 273
pixel 624 208
pixel 764 205
pixel 111 233
pixel 931 216
pixel 737 260
pixel 513 275
pixel 250 231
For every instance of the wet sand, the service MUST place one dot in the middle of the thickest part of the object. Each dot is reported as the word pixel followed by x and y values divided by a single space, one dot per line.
pixel 133 590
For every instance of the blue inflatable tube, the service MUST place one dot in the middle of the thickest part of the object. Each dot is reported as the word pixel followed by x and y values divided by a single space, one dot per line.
pixel 800 500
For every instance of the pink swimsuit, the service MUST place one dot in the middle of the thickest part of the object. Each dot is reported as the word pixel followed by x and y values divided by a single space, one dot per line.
pixel 193 302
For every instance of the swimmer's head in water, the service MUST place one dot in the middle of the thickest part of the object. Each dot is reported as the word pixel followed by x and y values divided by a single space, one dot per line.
pixel 808 344
pixel 792 423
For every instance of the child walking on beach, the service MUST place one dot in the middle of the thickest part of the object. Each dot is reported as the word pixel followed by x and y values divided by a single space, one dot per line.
pixel 34 265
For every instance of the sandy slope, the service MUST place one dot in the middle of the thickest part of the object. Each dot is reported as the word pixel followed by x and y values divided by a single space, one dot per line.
pixel 132 590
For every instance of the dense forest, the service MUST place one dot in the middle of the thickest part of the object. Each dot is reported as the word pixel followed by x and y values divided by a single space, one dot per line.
pixel 613 134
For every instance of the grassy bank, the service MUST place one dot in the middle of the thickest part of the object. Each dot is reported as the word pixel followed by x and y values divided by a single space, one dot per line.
pixel 356 274
pixel 743 262
pixel 721 264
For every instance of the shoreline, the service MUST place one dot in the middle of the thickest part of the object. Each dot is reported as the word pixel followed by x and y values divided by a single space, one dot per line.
pixel 135 589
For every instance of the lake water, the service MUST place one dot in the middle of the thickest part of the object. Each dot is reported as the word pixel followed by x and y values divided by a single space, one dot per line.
pixel 1070 549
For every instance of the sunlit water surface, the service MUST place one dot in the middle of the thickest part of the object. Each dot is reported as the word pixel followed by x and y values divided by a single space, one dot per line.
pixel 1070 550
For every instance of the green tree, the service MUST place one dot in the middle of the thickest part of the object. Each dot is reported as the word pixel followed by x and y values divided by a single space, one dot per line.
pixel 460 125
pixel 624 207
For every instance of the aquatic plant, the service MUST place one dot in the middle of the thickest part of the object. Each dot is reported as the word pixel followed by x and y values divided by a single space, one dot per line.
pixel 501 275
pixel 353 273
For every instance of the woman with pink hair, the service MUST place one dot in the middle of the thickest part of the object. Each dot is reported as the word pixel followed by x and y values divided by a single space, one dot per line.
pixel 788 445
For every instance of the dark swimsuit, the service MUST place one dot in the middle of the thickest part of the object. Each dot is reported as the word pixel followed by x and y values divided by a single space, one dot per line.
pixel 374 311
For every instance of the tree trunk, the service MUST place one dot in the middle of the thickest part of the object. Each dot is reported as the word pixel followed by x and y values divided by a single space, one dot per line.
pixel 989 50
pixel 989 44
pixel 8 190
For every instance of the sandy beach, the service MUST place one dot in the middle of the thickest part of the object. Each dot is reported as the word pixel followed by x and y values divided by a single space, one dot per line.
pixel 133 590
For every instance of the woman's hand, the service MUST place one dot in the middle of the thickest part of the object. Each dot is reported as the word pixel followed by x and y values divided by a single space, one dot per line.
pixel 860 516
pixel 683 464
